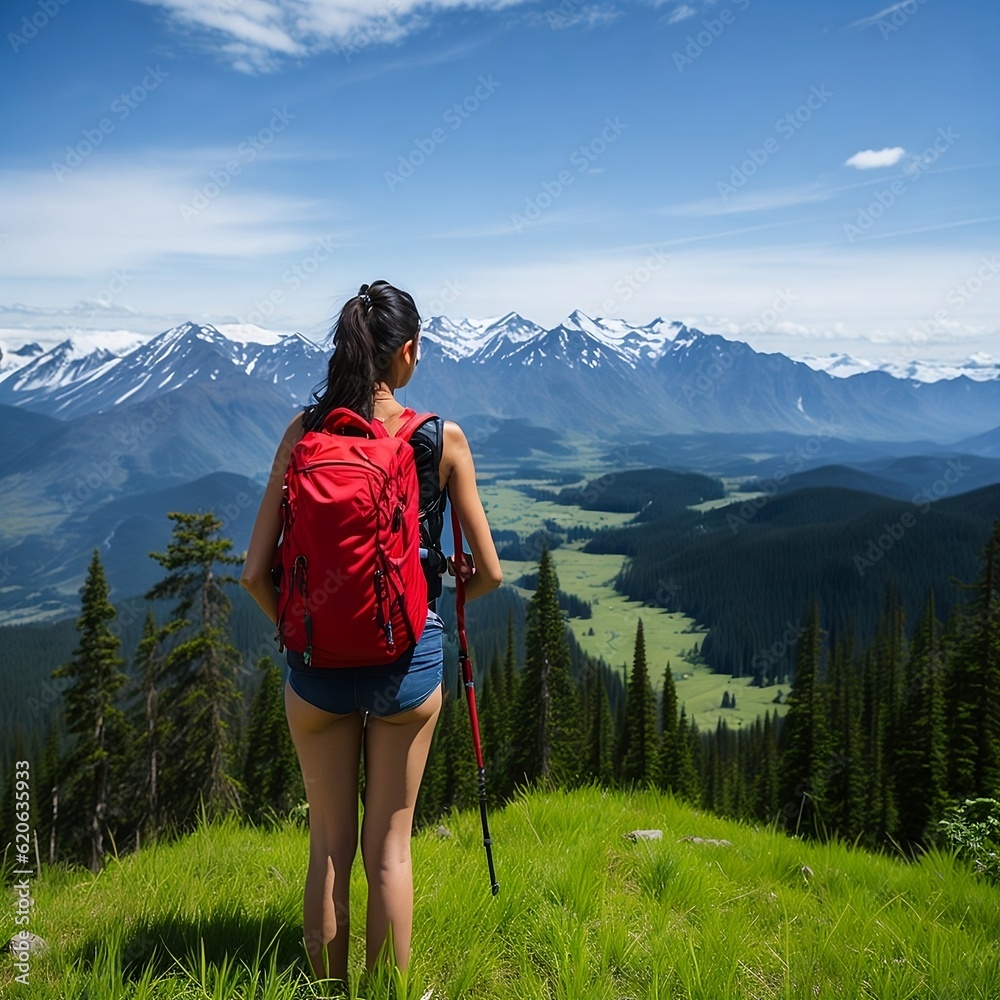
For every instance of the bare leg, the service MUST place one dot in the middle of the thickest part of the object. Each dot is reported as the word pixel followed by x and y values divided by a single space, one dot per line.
pixel 396 750
pixel 329 748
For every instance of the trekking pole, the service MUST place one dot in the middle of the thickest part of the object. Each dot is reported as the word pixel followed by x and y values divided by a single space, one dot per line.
pixel 465 666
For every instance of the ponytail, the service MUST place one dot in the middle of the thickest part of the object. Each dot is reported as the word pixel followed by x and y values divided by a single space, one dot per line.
pixel 371 327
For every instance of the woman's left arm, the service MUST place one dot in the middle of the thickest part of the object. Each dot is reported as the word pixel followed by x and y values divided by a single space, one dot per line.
pixel 256 575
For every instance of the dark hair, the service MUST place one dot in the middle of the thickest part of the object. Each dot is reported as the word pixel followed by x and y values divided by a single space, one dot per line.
pixel 371 327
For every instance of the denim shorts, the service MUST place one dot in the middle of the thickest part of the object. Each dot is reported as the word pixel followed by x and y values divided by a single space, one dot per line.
pixel 382 690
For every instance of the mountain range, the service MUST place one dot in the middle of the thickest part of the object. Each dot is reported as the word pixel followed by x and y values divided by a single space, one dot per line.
pixel 102 440
pixel 602 376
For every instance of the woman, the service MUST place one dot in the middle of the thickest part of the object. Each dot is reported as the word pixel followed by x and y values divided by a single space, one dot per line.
pixel 391 710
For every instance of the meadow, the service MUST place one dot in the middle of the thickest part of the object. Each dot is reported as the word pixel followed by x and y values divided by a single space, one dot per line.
pixel 582 913
pixel 671 637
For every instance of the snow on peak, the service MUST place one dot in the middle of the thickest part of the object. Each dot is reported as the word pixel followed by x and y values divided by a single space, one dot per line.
pixel 250 333
pixel 980 367
pixel 66 362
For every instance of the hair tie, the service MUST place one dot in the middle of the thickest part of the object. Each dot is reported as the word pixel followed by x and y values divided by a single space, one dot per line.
pixel 364 296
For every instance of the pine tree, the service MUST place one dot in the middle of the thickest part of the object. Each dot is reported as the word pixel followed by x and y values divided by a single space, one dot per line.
pixel 640 759
pixel 271 773
pixel 880 719
pixel 149 668
pixel 201 701
pixel 510 675
pixel 768 778
pixel 922 763
pixel 845 787
pixel 92 716
pixel 670 734
pixel 461 772
pixel 974 683
pixel 492 710
pixel 546 740
pixel 48 804
pixel 806 746
pixel 689 783
pixel 599 726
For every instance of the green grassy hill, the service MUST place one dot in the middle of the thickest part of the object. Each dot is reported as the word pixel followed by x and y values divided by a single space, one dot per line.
pixel 582 913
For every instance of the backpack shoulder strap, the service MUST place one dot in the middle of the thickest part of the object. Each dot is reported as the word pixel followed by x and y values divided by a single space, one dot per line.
pixel 412 422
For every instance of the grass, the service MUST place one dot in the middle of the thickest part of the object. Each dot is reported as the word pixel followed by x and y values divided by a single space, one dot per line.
pixel 582 913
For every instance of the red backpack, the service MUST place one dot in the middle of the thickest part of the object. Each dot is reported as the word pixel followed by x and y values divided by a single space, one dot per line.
pixel 351 588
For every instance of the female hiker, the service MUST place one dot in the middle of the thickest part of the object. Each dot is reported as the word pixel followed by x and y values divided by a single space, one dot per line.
pixel 390 710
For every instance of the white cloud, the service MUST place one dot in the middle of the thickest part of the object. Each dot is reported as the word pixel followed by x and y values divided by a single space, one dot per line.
pixel 125 213
pixel 257 34
pixel 681 13
pixel 868 159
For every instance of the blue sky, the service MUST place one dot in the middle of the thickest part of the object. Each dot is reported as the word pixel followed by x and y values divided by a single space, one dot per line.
pixel 250 161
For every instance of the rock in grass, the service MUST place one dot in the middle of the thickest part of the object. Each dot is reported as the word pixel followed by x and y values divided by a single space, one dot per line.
pixel 443 833
pixel 643 835
pixel 705 840
pixel 25 941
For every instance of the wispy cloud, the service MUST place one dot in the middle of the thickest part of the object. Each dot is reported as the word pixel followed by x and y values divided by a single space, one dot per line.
pixel 681 13
pixel 128 212
pixel 257 35
pixel 937 227
pixel 586 16
pixel 764 201
pixel 867 22
pixel 868 159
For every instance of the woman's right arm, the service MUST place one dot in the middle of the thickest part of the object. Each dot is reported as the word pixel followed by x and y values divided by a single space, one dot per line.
pixel 256 576
pixel 464 495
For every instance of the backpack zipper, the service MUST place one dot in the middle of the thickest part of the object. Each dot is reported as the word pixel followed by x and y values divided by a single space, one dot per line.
pixel 340 461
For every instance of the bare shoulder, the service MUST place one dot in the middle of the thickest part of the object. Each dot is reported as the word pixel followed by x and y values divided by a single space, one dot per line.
pixel 454 436
pixel 294 430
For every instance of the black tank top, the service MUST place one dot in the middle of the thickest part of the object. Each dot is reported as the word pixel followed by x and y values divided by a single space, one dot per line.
pixel 428 446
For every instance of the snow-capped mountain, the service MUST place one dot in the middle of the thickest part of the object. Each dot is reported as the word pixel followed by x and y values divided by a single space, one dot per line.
pixel 981 367
pixel 467 337
pixel 47 372
pixel 67 380
pixel 598 374
pixel 11 360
